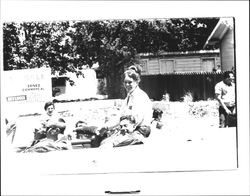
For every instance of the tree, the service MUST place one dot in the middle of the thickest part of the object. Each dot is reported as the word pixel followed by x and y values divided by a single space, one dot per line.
pixel 113 44
pixel 11 45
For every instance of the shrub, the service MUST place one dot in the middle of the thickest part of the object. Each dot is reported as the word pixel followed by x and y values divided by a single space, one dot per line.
pixel 188 97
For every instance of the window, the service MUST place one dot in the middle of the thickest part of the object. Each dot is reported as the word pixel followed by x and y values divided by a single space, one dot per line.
pixel 144 66
pixel 166 66
pixel 208 64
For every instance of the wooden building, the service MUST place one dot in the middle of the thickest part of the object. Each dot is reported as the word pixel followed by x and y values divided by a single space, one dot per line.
pixel 180 62
pixel 179 73
pixel 198 85
pixel 222 37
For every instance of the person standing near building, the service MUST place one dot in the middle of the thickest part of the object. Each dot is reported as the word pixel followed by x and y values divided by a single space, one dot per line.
pixel 225 94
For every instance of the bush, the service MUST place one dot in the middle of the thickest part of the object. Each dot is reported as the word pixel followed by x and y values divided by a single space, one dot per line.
pixel 201 109
pixel 188 97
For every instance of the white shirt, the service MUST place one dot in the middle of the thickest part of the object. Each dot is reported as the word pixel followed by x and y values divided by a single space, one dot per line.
pixel 226 93
pixel 138 105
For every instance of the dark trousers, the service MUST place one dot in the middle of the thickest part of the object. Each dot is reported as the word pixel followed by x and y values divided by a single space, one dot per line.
pixel 144 130
pixel 227 120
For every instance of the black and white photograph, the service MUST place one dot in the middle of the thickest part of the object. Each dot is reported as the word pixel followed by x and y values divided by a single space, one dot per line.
pixel 102 104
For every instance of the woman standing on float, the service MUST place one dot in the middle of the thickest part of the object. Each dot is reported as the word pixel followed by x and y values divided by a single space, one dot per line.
pixel 136 103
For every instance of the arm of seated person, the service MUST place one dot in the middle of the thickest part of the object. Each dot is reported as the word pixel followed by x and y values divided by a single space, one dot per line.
pixel 112 124
pixel 60 123
pixel 86 129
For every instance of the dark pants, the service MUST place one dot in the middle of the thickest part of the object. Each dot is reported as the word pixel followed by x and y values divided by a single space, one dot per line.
pixel 89 132
pixel 144 130
pixel 227 120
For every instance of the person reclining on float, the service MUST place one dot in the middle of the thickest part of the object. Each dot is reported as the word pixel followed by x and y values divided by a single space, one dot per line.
pixel 83 131
pixel 124 135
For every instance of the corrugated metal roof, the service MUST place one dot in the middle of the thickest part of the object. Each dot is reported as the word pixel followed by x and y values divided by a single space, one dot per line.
pixel 180 53
pixel 187 73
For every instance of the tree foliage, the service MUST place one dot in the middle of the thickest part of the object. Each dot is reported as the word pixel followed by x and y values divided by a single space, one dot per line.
pixel 67 45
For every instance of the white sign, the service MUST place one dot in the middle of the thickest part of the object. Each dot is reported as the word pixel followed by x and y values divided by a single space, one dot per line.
pixel 23 90
pixel 29 85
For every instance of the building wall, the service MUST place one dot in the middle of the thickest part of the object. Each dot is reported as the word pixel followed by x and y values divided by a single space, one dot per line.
pixel 153 66
pixel 188 64
pixel 83 87
pixel 180 64
pixel 227 51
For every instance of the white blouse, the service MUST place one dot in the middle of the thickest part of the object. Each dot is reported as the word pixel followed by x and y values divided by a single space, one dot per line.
pixel 226 93
pixel 138 104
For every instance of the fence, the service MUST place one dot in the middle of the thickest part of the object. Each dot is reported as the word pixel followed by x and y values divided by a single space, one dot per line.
pixel 200 85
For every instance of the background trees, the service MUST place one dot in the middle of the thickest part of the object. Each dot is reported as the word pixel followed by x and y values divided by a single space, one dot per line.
pixel 113 44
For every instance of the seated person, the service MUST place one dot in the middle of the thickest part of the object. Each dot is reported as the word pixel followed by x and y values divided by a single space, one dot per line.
pixel 50 143
pixel 84 131
pixel 157 116
pixel 124 135
pixel 50 123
